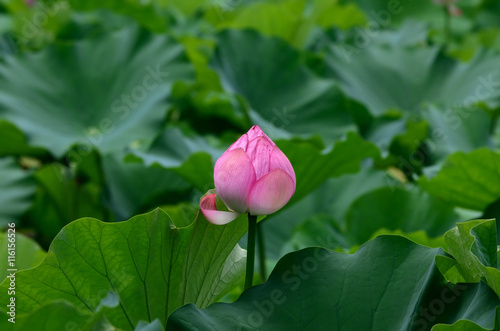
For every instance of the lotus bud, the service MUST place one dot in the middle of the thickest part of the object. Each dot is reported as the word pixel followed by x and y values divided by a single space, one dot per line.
pixel 252 176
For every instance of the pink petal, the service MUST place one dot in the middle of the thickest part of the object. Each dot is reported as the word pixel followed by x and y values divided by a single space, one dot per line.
pixel 259 150
pixel 234 177
pixel 279 160
pixel 240 143
pixel 214 216
pixel 271 193
pixel 255 132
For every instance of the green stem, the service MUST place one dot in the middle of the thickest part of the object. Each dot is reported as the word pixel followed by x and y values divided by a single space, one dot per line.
pixel 252 227
pixel 262 252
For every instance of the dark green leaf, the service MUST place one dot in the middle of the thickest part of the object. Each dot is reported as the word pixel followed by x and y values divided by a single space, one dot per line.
pixel 28 253
pixel 390 283
pixel 332 199
pixel 153 265
pixel 312 166
pixel 384 78
pixel 133 188
pixel 467 180
pixel 473 246
pixel 147 14
pixel 189 157
pixel 456 129
pixel 13 142
pixel 93 92
pixel 291 20
pixel 395 209
pixel 18 188
pixel 300 102
pixel 57 315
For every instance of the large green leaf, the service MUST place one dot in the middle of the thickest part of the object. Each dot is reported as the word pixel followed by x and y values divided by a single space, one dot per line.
pixel 395 209
pixel 28 253
pixel 390 283
pixel 133 188
pixel 312 166
pixel 190 7
pixel 148 14
pixel 387 12
pixel 32 27
pixel 105 91
pixel 189 157
pixel 153 265
pixel 13 142
pixel 391 210
pixel 492 211
pixel 291 20
pixel 456 129
pixel 467 180
pixel 58 315
pixel 332 199
pixel 320 230
pixel 61 197
pixel 403 147
pixel 465 325
pixel 383 77
pixel 487 38
pixel 300 102
pixel 409 33
pixel 473 246
pixel 18 188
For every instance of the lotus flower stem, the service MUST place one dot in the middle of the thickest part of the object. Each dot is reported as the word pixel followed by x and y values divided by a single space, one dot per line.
pixel 262 252
pixel 252 230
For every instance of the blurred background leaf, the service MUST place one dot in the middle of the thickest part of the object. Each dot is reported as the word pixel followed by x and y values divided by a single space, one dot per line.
pixel 387 110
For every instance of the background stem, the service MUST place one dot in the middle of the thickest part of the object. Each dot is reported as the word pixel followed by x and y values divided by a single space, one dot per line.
pixel 262 252
pixel 447 27
pixel 252 229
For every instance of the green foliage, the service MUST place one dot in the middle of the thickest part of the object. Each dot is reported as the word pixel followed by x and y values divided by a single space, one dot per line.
pixel 314 167
pixel 387 110
pixel 368 284
pixel 55 316
pixel 89 94
pixel 300 103
pixel 17 142
pixel 291 20
pixel 32 254
pixel 467 180
pixel 152 265
pixel 473 245
pixel 17 191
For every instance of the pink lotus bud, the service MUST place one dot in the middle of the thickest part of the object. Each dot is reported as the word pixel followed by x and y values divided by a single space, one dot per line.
pixel 253 176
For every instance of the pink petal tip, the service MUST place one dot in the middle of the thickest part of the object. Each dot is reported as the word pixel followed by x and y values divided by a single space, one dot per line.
pixel 209 209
